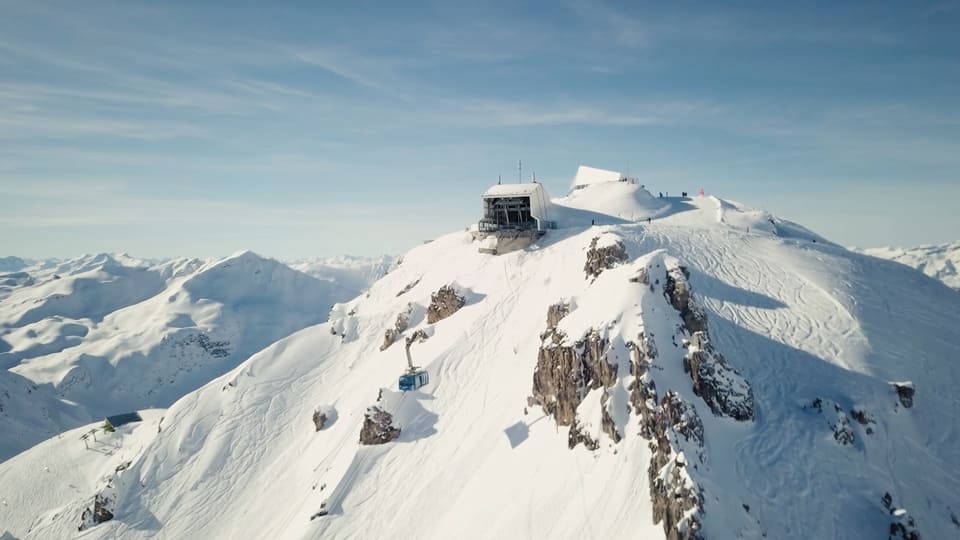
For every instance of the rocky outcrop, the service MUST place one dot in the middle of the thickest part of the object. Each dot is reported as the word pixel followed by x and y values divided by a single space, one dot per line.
pixel 602 258
pixel 675 431
pixel 399 327
pixel 101 511
pixel 408 287
pixel 556 312
pixel 677 501
pixel 678 293
pixel 839 421
pixel 565 373
pixel 444 303
pixel 378 427
pixel 213 348
pixel 905 393
pixel 319 419
pixel 725 391
pixel 902 524
pixel 578 436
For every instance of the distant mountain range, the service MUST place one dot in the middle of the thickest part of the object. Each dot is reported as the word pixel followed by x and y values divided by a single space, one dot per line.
pixel 100 334
pixel 940 261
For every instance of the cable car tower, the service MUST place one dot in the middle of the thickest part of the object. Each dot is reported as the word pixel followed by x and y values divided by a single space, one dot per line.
pixel 415 376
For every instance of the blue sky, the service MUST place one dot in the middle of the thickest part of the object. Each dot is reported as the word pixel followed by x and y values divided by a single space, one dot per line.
pixel 314 128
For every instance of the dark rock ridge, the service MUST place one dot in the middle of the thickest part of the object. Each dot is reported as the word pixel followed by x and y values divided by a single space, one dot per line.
pixel 902 524
pixel 319 419
pixel 98 514
pixel 602 258
pixel 905 393
pixel 565 373
pixel 839 420
pixel 664 423
pixel 378 427
pixel 214 348
pixel 406 288
pixel 399 327
pixel 725 391
pixel 568 370
pixel 444 303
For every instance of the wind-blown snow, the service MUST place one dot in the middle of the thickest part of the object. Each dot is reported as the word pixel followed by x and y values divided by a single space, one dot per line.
pixel 804 321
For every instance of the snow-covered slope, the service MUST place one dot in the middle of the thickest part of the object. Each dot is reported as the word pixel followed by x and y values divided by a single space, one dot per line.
pixel 558 404
pixel 154 351
pixel 111 333
pixel 938 261
pixel 30 413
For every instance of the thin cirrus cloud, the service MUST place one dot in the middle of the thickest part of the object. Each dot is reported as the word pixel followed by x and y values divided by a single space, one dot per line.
pixel 116 113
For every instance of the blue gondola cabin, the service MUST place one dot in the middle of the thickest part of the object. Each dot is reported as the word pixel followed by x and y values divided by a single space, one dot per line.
pixel 412 381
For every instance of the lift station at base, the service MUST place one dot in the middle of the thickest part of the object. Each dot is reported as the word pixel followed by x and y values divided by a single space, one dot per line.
pixel 414 378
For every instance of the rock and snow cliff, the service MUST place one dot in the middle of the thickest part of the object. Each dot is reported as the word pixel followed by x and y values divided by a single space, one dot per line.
pixel 716 373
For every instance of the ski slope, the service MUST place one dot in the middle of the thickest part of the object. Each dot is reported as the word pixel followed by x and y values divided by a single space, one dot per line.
pixel 819 332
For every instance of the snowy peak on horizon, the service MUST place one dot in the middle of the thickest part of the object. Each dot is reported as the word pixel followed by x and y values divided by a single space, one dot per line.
pixel 939 261
pixel 353 273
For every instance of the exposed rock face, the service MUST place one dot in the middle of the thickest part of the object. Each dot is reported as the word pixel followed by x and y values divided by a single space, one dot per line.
pixel 839 420
pixel 181 347
pixel 399 327
pixel 677 501
pixel 677 291
pixel 724 390
pixel 444 303
pixel 842 431
pixel 670 425
pixel 577 436
pixel 905 393
pixel 601 258
pixel 408 287
pixel 378 427
pixel 319 419
pixel 902 524
pixel 557 312
pixel 565 373
pixel 100 512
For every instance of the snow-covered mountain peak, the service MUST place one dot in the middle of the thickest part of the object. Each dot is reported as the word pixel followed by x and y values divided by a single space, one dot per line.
pixel 653 367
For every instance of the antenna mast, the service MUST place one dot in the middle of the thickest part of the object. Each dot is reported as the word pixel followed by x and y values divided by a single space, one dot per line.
pixel 520 171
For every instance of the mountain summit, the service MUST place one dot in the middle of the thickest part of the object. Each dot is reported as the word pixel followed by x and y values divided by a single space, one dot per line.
pixel 679 367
